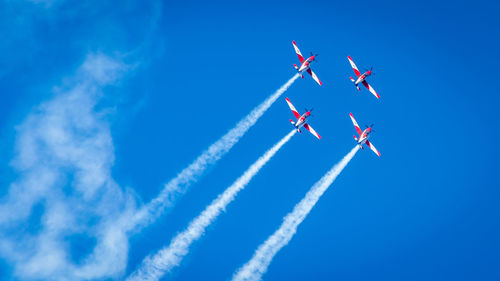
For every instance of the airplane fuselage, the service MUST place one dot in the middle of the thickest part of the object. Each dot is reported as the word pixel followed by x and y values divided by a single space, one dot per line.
pixel 364 136
pixel 301 121
pixel 306 64
pixel 362 77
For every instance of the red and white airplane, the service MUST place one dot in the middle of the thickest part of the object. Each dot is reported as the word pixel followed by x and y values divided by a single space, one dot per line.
pixel 305 64
pixel 301 120
pixel 363 136
pixel 361 78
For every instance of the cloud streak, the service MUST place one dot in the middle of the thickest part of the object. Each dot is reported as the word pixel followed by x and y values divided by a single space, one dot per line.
pixel 64 195
pixel 178 185
pixel 153 268
pixel 258 264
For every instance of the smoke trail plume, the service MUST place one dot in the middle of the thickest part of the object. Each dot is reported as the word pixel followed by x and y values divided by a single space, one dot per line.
pixel 257 266
pixel 153 268
pixel 178 185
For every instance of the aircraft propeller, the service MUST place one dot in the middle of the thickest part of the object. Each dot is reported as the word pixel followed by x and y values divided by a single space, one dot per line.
pixel 371 69
pixel 309 111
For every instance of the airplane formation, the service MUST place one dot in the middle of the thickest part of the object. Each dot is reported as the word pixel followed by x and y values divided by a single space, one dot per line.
pixel 305 65
pixel 162 262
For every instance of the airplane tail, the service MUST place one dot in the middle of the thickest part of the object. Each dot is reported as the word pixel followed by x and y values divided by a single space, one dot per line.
pixel 293 123
pixel 360 144
pixel 354 81
pixel 297 68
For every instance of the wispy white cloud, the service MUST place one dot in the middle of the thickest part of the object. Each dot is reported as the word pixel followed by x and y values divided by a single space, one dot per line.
pixel 258 264
pixel 46 3
pixel 153 268
pixel 178 185
pixel 64 155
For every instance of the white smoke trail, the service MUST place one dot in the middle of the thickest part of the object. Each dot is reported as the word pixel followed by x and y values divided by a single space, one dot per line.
pixel 178 185
pixel 257 266
pixel 153 268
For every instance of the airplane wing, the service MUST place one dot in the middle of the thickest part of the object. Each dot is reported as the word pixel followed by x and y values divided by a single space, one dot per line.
pixel 353 66
pixel 310 129
pixel 301 58
pixel 314 76
pixel 370 88
pixel 370 145
pixel 295 112
pixel 358 129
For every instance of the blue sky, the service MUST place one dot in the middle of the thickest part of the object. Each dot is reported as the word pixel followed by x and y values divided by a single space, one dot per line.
pixel 104 103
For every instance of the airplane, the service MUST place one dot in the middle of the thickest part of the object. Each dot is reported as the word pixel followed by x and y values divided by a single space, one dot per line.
pixel 363 136
pixel 361 78
pixel 301 120
pixel 305 64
